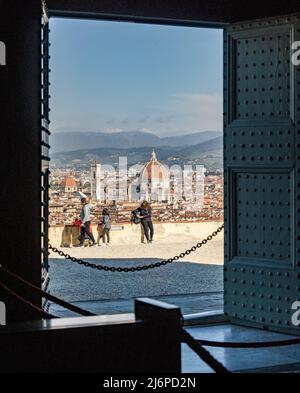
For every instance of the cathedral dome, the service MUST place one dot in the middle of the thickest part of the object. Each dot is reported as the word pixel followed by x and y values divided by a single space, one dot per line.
pixel 154 171
pixel 69 182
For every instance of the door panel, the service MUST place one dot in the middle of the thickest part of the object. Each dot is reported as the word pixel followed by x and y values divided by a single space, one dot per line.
pixel 262 172
pixel 45 147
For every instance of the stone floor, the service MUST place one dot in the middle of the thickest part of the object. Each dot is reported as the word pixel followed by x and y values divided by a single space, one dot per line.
pixel 268 360
pixel 189 304
pixel 74 283
pixel 281 359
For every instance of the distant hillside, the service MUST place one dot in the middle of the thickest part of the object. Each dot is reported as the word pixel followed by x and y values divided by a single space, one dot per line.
pixel 71 141
pixel 193 152
pixel 191 139
pixel 208 153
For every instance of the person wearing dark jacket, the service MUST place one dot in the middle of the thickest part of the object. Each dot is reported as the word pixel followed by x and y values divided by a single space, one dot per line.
pixel 144 213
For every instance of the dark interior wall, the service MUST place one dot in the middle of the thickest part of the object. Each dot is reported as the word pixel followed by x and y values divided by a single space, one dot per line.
pixel 20 144
pixel 213 11
pixel 166 9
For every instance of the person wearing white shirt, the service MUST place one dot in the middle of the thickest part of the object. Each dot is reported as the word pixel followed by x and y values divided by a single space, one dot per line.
pixel 85 217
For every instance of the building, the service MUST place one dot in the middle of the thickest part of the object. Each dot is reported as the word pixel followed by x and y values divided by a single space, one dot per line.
pixel 69 185
pixel 152 183
pixel 95 181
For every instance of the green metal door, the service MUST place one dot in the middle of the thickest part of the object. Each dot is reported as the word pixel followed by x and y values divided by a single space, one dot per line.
pixel 262 172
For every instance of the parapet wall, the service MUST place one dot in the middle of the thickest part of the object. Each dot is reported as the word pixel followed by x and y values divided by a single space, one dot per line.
pixel 66 236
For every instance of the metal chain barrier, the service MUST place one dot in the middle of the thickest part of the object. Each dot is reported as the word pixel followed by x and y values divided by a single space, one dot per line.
pixel 250 345
pixel 188 339
pixel 138 268
pixel 197 346
pixel 44 294
pixel 42 313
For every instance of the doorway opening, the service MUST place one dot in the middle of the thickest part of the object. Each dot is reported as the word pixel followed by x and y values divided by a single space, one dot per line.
pixel 136 115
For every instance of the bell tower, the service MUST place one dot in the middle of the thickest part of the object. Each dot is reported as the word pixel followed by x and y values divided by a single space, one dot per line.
pixel 95 181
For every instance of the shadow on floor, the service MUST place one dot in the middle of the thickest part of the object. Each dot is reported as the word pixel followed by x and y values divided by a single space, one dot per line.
pixel 195 287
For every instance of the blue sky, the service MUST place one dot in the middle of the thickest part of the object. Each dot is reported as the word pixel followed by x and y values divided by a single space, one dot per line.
pixel 113 76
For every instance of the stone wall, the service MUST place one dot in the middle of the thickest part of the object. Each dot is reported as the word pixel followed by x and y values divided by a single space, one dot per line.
pixel 66 236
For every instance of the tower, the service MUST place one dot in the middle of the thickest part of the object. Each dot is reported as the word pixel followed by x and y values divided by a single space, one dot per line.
pixel 95 181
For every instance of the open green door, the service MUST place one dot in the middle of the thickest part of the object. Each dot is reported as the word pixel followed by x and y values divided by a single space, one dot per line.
pixel 262 172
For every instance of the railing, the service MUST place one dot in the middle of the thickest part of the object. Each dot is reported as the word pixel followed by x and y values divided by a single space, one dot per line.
pixel 155 343
pixel 147 341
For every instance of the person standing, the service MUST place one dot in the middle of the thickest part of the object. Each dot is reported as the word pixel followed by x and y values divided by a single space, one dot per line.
pixel 106 227
pixel 144 213
pixel 142 234
pixel 100 230
pixel 85 217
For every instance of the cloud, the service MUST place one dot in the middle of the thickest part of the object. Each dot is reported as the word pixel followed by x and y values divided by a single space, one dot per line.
pixel 188 112
pixel 202 110
pixel 113 130
pixel 110 121
pixel 145 129
pixel 164 119
pixel 181 113
pixel 144 119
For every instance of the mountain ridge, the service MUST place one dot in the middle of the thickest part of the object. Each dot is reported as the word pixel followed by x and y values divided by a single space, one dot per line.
pixel 208 153
pixel 62 142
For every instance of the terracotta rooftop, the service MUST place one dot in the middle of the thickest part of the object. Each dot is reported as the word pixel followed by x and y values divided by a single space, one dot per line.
pixel 69 182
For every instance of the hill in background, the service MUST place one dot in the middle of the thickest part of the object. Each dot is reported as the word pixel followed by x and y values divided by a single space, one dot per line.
pixel 71 141
pixel 179 150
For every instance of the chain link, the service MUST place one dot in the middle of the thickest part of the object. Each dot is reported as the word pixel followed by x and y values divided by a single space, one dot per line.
pixel 138 268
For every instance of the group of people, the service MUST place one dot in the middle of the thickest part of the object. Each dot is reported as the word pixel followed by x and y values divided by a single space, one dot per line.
pixel 84 222
pixel 141 215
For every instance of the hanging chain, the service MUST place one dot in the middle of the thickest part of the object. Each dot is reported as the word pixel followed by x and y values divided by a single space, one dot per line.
pixel 138 268
pixel 45 13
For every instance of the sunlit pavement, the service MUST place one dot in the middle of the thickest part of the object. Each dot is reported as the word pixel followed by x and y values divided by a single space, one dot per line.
pixel 190 280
